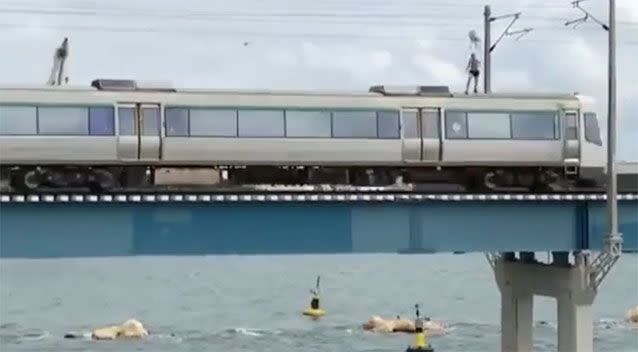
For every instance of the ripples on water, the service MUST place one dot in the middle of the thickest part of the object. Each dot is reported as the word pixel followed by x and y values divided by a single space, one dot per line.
pixel 233 303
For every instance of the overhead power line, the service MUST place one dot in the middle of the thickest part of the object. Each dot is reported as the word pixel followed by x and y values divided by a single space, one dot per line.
pixel 209 32
pixel 276 17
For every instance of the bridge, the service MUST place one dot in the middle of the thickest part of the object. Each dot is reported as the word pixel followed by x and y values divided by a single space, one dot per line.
pixel 121 225
pixel 509 227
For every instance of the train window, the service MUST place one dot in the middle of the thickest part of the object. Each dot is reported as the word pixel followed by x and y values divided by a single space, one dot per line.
pixel 430 124
pixel 18 120
pixel 62 120
pixel 592 131
pixel 126 121
pixel 176 122
pixel 455 125
pixel 485 125
pixel 354 124
pixel 261 123
pixel 571 126
pixel 308 123
pixel 213 122
pixel 101 121
pixel 388 124
pixel 409 126
pixel 150 121
pixel 533 125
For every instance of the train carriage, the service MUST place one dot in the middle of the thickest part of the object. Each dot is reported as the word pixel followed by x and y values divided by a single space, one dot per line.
pixel 124 135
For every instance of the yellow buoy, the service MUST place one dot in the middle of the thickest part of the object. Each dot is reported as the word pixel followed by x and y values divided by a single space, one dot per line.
pixel 315 313
pixel 315 310
pixel 420 340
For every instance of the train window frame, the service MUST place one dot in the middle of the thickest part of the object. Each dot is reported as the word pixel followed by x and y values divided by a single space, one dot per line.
pixel 156 119
pixel 168 123
pixel 372 117
pixel 449 125
pixel 258 135
pixel 63 132
pixel 409 133
pixel 110 118
pixel 590 120
pixel 289 117
pixel 571 125
pixel 233 132
pixel 396 128
pixel 555 135
pixel 469 117
pixel 429 130
pixel 24 106
pixel 131 133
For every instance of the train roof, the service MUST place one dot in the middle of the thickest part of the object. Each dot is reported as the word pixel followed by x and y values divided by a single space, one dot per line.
pixel 373 91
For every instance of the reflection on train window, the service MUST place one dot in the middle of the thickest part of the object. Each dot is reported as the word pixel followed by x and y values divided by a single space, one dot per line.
pixel 409 126
pixel 571 128
pixel 485 125
pixel 308 123
pixel 533 125
pixel 126 121
pixel 18 120
pixel 430 124
pixel 213 122
pixel 101 121
pixel 176 122
pixel 150 121
pixel 388 124
pixel 58 120
pixel 455 125
pixel 592 131
pixel 261 123
pixel 354 124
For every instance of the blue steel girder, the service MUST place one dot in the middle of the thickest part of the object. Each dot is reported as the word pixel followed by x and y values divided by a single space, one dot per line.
pixel 198 227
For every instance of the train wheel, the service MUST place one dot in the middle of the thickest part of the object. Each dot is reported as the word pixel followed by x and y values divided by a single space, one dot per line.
pixel 27 180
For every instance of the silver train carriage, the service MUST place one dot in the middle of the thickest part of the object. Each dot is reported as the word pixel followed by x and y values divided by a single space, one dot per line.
pixel 119 134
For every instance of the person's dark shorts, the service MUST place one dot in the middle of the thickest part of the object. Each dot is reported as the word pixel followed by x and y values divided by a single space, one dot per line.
pixel 475 73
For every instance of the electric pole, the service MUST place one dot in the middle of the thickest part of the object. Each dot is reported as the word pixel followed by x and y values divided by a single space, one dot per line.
pixel 605 261
pixel 488 47
pixel 612 187
pixel 487 83
pixel 613 240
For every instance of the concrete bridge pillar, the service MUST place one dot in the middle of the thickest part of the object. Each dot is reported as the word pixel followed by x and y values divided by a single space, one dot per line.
pixel 520 280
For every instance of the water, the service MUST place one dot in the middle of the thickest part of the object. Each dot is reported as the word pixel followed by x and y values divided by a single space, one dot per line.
pixel 233 303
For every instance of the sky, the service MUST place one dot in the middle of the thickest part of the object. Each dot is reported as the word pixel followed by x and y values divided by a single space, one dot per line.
pixel 327 44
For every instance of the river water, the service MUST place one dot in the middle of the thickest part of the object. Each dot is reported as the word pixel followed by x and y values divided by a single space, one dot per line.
pixel 253 303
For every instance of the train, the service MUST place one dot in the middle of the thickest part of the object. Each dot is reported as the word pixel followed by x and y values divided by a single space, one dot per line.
pixel 117 134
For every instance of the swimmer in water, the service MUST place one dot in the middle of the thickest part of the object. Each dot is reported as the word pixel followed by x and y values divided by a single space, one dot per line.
pixel 378 324
pixel 129 329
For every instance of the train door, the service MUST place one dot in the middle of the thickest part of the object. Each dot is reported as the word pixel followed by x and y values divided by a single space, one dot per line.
pixel 412 141
pixel 138 132
pixel 571 144
pixel 421 135
pixel 431 134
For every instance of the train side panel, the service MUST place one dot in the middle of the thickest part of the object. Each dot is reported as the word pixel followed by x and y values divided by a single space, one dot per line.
pixel 503 152
pixel 280 151
pixel 61 150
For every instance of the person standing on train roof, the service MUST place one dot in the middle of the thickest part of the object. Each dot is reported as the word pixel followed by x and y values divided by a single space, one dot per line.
pixel 474 71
